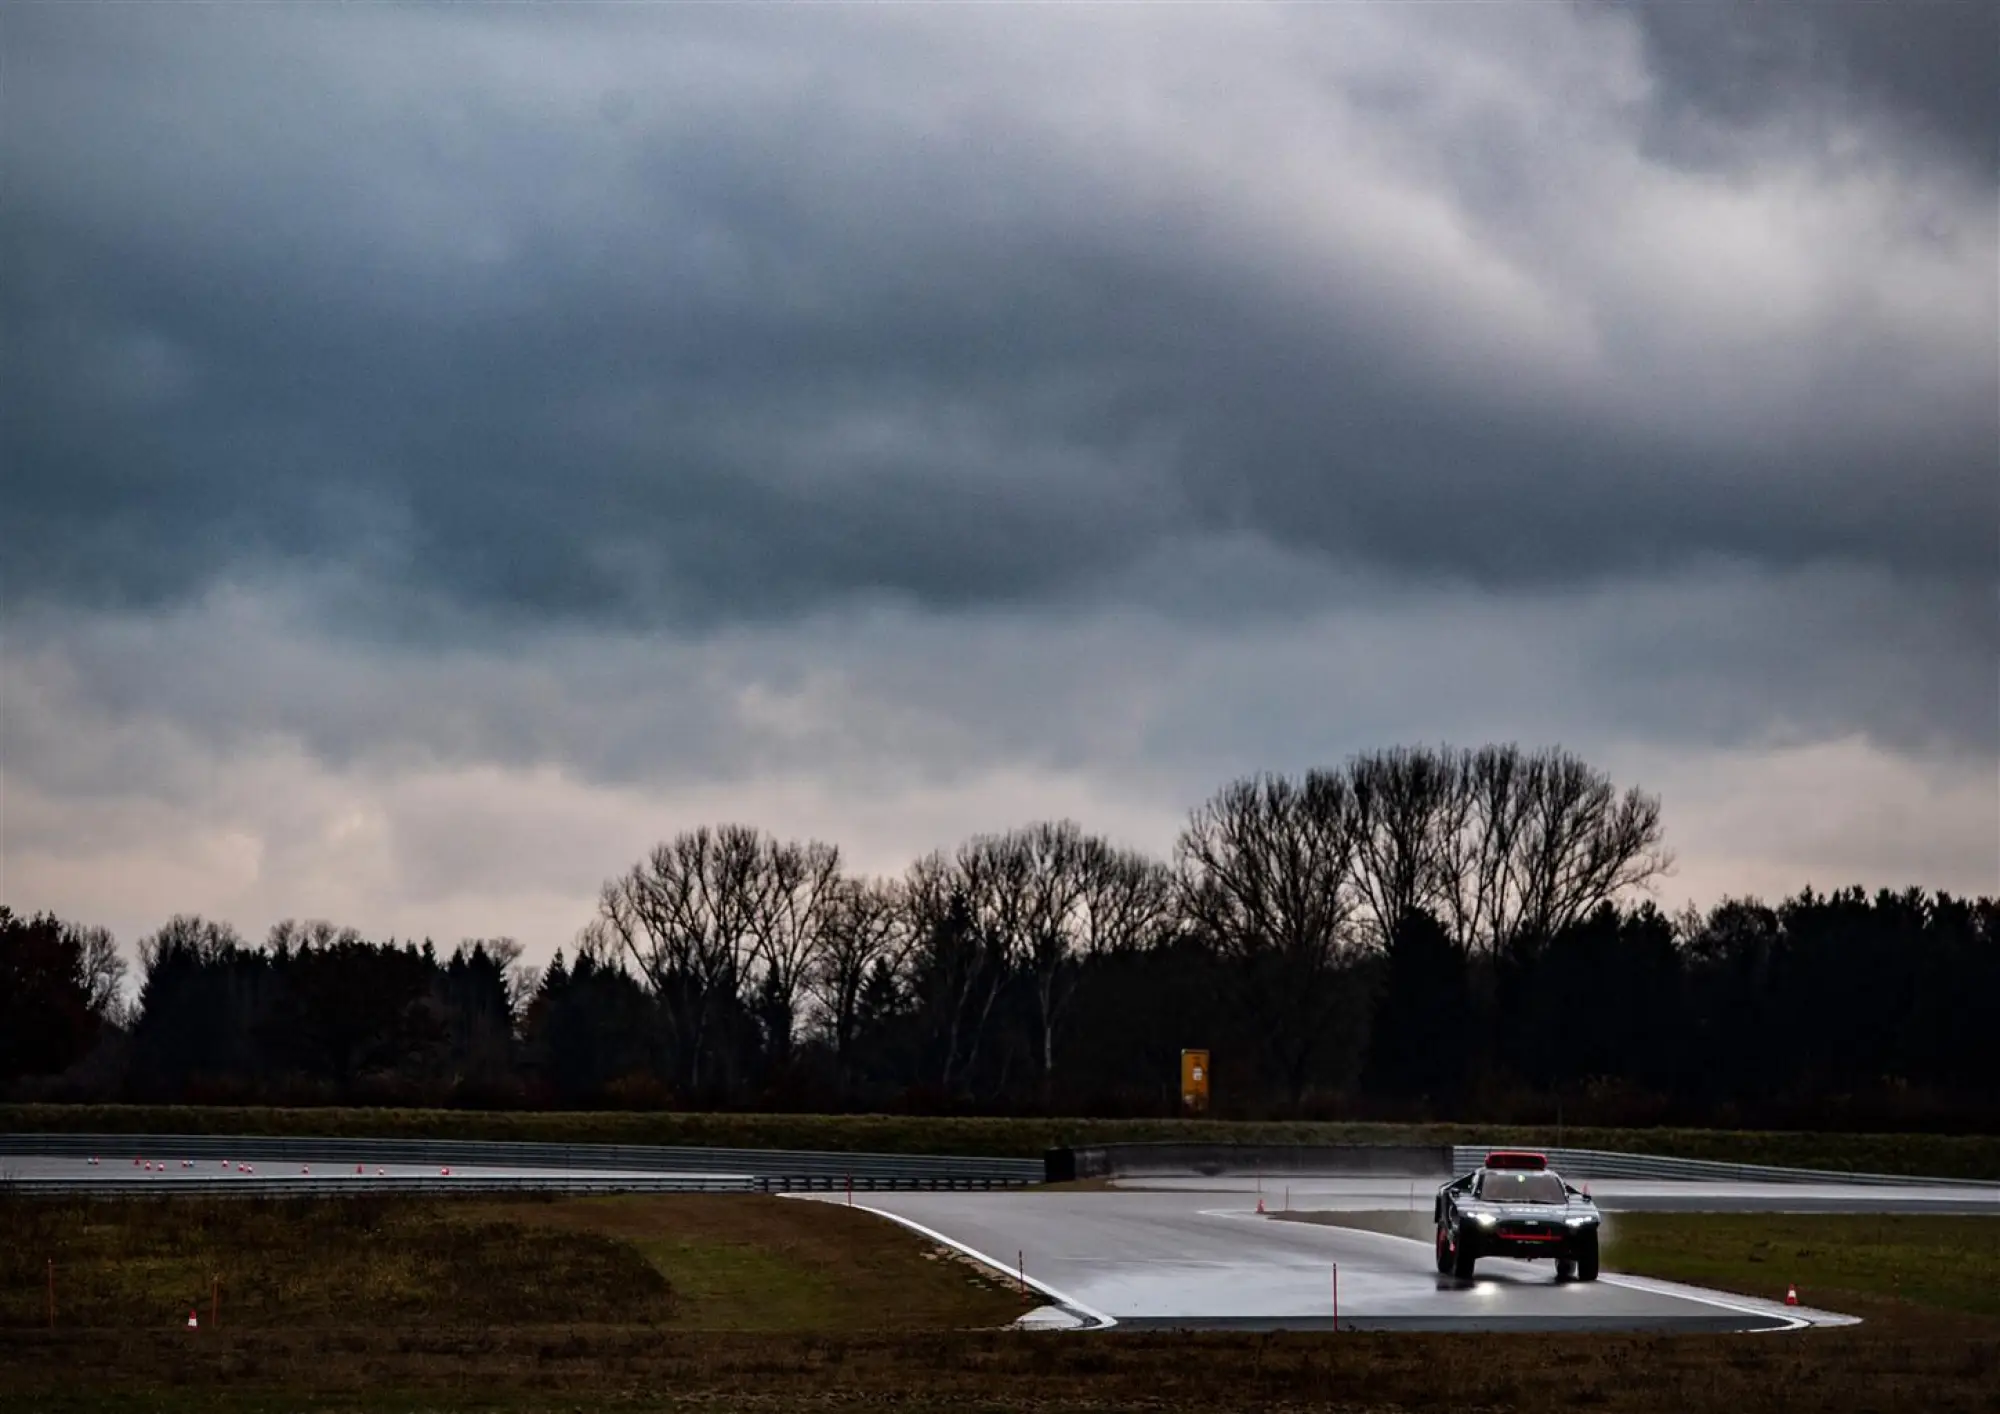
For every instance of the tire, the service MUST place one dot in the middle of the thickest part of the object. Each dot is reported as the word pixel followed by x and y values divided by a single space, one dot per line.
pixel 1586 1259
pixel 1444 1250
pixel 1462 1256
pixel 1565 1269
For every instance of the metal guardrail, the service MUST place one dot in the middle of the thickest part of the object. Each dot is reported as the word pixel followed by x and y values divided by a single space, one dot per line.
pixel 632 1168
pixel 1600 1163
pixel 260 1186
pixel 1162 1159
pixel 775 1170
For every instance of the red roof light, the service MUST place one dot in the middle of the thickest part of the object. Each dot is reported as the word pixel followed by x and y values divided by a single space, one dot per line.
pixel 1516 1159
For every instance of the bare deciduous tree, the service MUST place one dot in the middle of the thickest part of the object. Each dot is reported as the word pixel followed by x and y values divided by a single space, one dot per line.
pixel 1583 843
pixel 794 899
pixel 864 924
pixel 199 938
pixel 1266 872
pixel 686 916
pixel 1079 896
pixel 293 935
pixel 1408 807
pixel 1537 842
pixel 962 913
pixel 104 970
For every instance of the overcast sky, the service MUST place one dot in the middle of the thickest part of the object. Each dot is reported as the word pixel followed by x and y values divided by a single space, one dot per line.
pixel 450 448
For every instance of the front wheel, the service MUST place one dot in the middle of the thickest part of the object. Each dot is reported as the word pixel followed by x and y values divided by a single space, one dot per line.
pixel 1565 1269
pixel 1586 1259
pixel 1462 1257
pixel 1444 1250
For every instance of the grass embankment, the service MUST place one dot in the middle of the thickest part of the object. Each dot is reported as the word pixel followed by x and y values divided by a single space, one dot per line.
pixel 1839 1261
pixel 1951 1156
pixel 664 1262
pixel 1862 1263
pixel 1951 1371
pixel 738 1302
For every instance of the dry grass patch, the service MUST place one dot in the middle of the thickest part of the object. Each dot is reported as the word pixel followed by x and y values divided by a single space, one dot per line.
pixel 740 1262
pixel 1955 1371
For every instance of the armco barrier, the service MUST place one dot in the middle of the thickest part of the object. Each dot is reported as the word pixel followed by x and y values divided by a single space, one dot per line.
pixel 1170 1159
pixel 1599 1163
pixel 778 1170
pixel 262 1186
pixel 1417 1161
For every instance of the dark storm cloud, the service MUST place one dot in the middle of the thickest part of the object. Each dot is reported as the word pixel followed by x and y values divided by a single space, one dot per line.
pixel 673 315
pixel 1930 66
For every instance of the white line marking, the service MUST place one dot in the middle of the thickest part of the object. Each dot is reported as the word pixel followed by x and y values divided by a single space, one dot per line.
pixel 1701 1294
pixel 1707 1298
pixel 1104 1322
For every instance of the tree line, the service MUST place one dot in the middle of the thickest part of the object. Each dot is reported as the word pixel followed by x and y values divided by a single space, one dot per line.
pixel 1421 932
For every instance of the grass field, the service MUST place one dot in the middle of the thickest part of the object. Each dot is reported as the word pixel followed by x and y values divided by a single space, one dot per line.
pixel 1953 1156
pixel 1865 1263
pixel 697 1303
pixel 1836 1260
pixel 664 1262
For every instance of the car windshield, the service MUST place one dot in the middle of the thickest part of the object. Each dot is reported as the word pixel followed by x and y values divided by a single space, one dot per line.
pixel 1498 1187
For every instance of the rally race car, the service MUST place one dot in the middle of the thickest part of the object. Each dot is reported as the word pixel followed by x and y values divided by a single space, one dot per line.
pixel 1513 1206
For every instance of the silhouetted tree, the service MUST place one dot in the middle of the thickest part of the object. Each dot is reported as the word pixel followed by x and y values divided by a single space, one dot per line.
pixel 50 1010
pixel 1420 1037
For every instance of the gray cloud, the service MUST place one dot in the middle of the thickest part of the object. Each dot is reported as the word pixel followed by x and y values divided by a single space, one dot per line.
pixel 1927 66
pixel 233 757
pixel 927 418
pixel 669 316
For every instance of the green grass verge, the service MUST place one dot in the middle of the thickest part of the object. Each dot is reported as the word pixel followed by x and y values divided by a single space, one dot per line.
pixel 1930 1260
pixel 778 1306
pixel 1949 1156
pixel 304 1262
pixel 1840 1261
pixel 662 1262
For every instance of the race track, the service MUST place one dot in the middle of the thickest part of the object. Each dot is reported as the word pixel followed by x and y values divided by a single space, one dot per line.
pixel 1189 1252
pixel 1195 1254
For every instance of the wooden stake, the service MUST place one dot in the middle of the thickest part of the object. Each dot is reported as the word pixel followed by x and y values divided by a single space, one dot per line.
pixel 1021 1270
pixel 1336 1297
pixel 52 1293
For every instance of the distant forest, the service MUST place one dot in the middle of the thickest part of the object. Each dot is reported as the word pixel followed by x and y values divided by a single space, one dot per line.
pixel 1421 933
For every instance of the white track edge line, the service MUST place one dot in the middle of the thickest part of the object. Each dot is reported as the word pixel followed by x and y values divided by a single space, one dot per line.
pixel 1103 1321
pixel 1700 1293
pixel 1682 1290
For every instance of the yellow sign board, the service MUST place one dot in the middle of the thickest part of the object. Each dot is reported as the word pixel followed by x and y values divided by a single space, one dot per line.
pixel 1194 1082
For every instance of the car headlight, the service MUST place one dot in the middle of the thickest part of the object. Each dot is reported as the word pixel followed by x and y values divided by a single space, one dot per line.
pixel 1587 1220
pixel 1484 1219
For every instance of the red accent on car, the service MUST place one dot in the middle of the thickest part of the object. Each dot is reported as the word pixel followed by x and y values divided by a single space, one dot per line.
pixel 1516 1159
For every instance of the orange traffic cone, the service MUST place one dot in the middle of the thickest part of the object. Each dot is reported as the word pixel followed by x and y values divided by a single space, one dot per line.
pixel 1791 1294
pixel 192 1322
pixel 1260 1203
